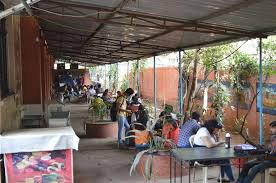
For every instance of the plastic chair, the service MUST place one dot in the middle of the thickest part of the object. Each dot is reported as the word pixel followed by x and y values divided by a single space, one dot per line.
pixel 267 174
pixel 197 164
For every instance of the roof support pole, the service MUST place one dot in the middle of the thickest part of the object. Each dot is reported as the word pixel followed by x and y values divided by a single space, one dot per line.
pixel 16 8
pixel 154 85
pixel 109 78
pixel 138 78
pixel 117 77
pixel 180 83
pixel 127 74
pixel 261 91
pixel 105 80
pixel 27 7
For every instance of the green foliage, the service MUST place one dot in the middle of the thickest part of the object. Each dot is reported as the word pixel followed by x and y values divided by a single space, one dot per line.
pixel 98 108
pixel 168 109
pixel 269 56
pixel 220 100
pixel 124 84
pixel 242 67
pixel 113 72
pixel 214 56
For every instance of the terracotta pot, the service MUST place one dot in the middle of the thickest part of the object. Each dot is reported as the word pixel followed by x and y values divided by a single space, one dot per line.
pixel 102 129
pixel 161 166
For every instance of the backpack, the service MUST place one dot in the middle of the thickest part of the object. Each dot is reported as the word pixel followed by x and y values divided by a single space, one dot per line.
pixel 113 111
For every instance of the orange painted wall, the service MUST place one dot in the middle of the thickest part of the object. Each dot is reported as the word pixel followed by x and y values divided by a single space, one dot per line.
pixel 37 64
pixel 31 61
pixel 167 83
pixel 167 86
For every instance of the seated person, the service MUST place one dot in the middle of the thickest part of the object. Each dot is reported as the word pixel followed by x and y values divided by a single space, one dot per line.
pixel 252 168
pixel 170 130
pixel 66 94
pixel 106 97
pixel 207 137
pixel 188 129
pixel 139 114
pixel 159 123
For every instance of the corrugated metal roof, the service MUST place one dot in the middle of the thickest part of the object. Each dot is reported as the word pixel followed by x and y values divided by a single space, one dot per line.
pixel 109 31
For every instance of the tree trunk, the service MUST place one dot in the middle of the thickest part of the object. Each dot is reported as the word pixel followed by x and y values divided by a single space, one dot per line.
pixel 205 95
pixel 193 87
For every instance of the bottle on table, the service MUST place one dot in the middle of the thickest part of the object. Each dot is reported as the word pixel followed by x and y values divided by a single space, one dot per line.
pixel 227 140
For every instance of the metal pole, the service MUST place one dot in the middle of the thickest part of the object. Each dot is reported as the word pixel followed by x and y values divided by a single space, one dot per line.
pixel 27 7
pixel 154 81
pixel 105 80
pixel 127 74
pixel 109 78
pixel 180 83
pixel 117 76
pixel 261 91
pixel 16 8
pixel 138 78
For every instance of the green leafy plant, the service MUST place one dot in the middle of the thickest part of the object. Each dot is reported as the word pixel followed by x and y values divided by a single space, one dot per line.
pixel 242 68
pixel 220 100
pixel 98 108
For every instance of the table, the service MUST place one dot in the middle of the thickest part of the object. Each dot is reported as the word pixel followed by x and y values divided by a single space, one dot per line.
pixel 39 155
pixel 203 154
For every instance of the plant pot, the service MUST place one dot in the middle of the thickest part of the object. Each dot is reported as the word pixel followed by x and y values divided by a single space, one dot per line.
pixel 161 166
pixel 101 129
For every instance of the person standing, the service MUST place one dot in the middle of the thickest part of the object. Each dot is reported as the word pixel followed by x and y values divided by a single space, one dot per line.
pixel 122 113
pixel 188 129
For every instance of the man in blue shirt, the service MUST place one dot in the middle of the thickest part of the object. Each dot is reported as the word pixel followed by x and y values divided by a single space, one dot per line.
pixel 188 129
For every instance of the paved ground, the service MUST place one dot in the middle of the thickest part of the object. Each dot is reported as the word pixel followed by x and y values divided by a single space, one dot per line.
pixel 99 161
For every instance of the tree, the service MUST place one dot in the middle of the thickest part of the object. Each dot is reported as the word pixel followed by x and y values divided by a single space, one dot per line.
pixel 191 91
pixel 209 59
pixel 248 66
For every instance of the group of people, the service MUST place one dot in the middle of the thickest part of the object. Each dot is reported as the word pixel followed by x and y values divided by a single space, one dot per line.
pixel 131 113
pixel 205 135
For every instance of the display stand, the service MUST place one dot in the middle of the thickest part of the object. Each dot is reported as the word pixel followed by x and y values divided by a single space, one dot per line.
pixel 39 155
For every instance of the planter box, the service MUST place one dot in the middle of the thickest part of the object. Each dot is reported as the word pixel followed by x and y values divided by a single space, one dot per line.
pixel 59 119
pixel 161 166
pixel 101 129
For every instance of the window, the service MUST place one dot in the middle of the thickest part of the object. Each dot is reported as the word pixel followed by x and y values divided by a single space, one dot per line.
pixel 3 58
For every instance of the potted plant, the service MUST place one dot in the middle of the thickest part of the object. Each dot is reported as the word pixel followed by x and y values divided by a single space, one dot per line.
pixel 97 109
pixel 153 162
pixel 98 126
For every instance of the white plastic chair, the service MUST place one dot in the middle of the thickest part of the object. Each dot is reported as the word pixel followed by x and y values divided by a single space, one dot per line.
pixel 196 164
pixel 267 174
